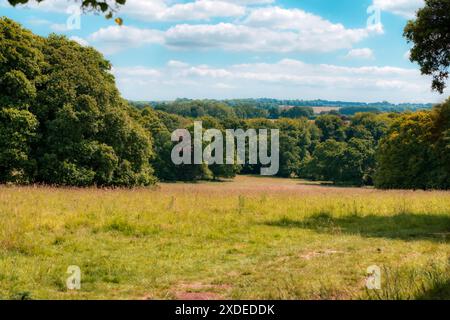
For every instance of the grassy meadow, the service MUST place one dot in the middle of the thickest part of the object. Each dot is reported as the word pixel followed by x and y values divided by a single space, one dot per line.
pixel 250 238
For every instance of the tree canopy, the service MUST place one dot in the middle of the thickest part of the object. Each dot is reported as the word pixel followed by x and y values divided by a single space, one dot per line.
pixel 430 35
pixel 415 153
pixel 62 119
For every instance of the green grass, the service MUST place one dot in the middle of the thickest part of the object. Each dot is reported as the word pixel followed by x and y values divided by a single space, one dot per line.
pixel 254 238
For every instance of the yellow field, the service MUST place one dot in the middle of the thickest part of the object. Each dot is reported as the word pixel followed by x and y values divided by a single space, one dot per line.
pixel 248 238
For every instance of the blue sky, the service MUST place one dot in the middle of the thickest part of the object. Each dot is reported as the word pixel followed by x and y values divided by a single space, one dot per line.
pixel 299 49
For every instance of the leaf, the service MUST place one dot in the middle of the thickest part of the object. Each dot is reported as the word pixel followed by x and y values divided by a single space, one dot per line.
pixel 119 21
pixel 103 6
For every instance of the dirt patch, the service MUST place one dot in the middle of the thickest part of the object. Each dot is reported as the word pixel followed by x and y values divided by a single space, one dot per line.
pixel 197 296
pixel 200 291
pixel 147 297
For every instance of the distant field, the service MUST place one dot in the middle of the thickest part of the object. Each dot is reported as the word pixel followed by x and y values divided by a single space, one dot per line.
pixel 318 110
pixel 252 238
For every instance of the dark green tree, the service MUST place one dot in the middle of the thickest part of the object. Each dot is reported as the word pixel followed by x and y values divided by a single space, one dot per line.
pixel 18 130
pixel 77 130
pixel 415 153
pixel 297 112
pixel 430 35
pixel 331 127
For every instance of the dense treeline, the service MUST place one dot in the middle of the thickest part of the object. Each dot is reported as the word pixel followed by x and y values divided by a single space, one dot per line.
pixel 222 110
pixel 268 104
pixel 273 108
pixel 415 153
pixel 63 122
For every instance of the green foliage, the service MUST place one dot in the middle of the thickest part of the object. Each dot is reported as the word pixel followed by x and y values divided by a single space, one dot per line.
pixel 17 132
pixel 331 127
pixel 197 108
pixel 415 153
pixel 246 111
pixel 63 122
pixel 21 63
pixel 295 139
pixel 297 112
pixel 62 119
pixel 346 153
pixel 430 35
pixel 369 125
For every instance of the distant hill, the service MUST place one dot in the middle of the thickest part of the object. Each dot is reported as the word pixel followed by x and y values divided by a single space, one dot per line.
pixel 319 106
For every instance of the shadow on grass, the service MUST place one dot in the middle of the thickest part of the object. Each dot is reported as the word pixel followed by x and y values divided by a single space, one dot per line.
pixel 441 291
pixel 405 226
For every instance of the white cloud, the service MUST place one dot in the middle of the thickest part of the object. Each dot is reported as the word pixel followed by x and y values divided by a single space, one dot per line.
pixel 116 38
pixel 59 6
pixel 264 30
pixel 286 78
pixel 156 10
pixel 80 40
pixel 137 72
pixel 177 64
pixel 363 53
pixel 293 19
pixel 170 10
pixel 251 2
pixel 260 29
pixel 404 8
pixel 269 29
pixel 160 10
pixel 230 36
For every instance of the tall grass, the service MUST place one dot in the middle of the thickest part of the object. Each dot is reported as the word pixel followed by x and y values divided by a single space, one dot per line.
pixel 251 238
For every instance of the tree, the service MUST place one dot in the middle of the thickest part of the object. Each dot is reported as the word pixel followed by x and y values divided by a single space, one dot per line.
pixel 349 163
pixel 358 162
pixel 62 117
pixel 325 163
pixel 197 108
pixel 430 34
pixel 415 154
pixel 297 112
pixel 21 63
pixel 217 170
pixel 375 125
pixel 331 127
pixel 295 138
pixel 162 145
pixel 404 157
pixel 17 132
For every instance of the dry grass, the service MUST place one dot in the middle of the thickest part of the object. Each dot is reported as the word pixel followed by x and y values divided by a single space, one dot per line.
pixel 248 238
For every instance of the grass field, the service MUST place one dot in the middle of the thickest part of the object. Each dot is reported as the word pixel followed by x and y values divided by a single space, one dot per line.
pixel 251 238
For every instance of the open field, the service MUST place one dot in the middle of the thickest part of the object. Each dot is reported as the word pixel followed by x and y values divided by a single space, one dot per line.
pixel 318 110
pixel 250 238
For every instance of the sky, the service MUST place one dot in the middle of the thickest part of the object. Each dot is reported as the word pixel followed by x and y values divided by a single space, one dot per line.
pixel 350 50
